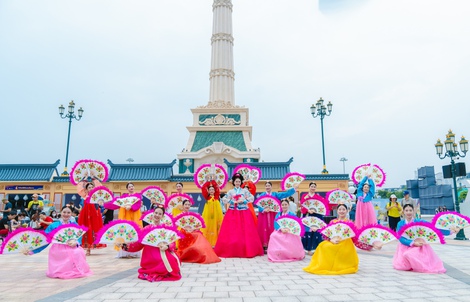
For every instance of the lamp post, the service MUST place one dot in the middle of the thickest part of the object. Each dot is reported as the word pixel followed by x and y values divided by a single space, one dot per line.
pixel 320 110
pixel 451 151
pixel 343 159
pixel 70 115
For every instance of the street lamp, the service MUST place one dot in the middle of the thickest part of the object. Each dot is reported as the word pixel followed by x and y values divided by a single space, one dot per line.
pixel 70 115
pixel 343 159
pixel 451 151
pixel 319 109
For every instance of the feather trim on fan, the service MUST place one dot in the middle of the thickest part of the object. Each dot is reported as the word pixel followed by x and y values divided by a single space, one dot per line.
pixel 248 172
pixel 338 196
pixel 191 220
pixel 147 216
pixel 81 168
pixel 422 230
pixel 154 192
pixel 125 201
pixel 378 174
pixel 320 206
pixel 175 199
pixel 313 222
pixel 221 176
pixel 448 220
pixel 371 233
pixel 268 201
pixel 127 230
pixel 342 229
pixel 100 193
pixel 290 179
pixel 292 223
pixel 23 240
pixel 66 232
pixel 156 235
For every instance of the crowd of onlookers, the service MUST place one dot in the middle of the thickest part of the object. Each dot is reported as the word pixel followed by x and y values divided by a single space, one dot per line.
pixel 30 215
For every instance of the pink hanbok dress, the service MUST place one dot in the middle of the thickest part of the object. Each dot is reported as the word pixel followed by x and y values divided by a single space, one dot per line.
pixel 156 264
pixel 420 259
pixel 285 247
pixel 66 262
pixel 238 237
pixel 365 213
pixel 266 219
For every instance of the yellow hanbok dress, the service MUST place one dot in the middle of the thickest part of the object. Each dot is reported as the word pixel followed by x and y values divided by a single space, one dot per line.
pixel 334 259
pixel 213 217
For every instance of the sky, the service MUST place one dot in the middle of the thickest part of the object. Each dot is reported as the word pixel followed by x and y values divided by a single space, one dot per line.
pixel 397 73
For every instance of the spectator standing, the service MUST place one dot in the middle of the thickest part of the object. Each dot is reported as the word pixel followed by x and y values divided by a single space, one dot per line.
pixel 35 206
pixel 7 208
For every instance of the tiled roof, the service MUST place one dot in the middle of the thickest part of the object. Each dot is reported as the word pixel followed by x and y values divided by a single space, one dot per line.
pixel 136 172
pixel 269 170
pixel 61 179
pixel 229 138
pixel 26 172
pixel 326 177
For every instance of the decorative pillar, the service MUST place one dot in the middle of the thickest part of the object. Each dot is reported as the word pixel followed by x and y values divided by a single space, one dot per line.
pixel 222 76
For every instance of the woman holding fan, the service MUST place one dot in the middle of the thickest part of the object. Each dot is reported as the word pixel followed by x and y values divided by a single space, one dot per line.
pixel 284 246
pixel 415 255
pixel 158 263
pixel 68 260
pixel 193 247
pixel 266 216
pixel 212 213
pixel 90 215
pixel 238 237
pixel 365 213
pixel 336 256
pixel 312 238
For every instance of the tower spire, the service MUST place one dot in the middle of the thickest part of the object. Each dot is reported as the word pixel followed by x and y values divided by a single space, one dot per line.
pixel 222 76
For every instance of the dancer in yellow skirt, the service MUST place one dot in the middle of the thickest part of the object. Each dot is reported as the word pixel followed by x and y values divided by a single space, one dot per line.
pixel 335 256
pixel 212 213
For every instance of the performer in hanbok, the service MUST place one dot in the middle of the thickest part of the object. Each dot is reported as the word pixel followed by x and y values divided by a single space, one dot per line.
pixel 416 255
pixel 131 213
pixel 66 261
pixel 365 213
pixel 179 208
pixel 212 213
pixel 194 247
pixel 284 246
pixel 238 236
pixel 90 215
pixel 312 238
pixel 251 187
pixel 266 216
pixel 335 256
pixel 157 263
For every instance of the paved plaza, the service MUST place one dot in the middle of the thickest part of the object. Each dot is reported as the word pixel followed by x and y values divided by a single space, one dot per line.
pixel 241 280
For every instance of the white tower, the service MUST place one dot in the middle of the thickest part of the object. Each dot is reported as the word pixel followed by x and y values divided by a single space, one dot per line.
pixel 222 77
pixel 220 129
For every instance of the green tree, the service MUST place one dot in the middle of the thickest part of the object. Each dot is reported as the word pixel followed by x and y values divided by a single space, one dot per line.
pixel 463 195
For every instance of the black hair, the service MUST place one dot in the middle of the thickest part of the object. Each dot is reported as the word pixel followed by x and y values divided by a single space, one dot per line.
pixel 179 183
pixel 342 205
pixel 408 205
pixel 235 176
pixel 268 182
pixel 89 184
pixel 128 184
pixel 160 207
pixel 312 183
pixel 64 207
pixel 284 200
pixel 186 200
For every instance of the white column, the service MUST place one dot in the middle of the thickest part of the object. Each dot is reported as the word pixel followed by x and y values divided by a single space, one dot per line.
pixel 222 76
